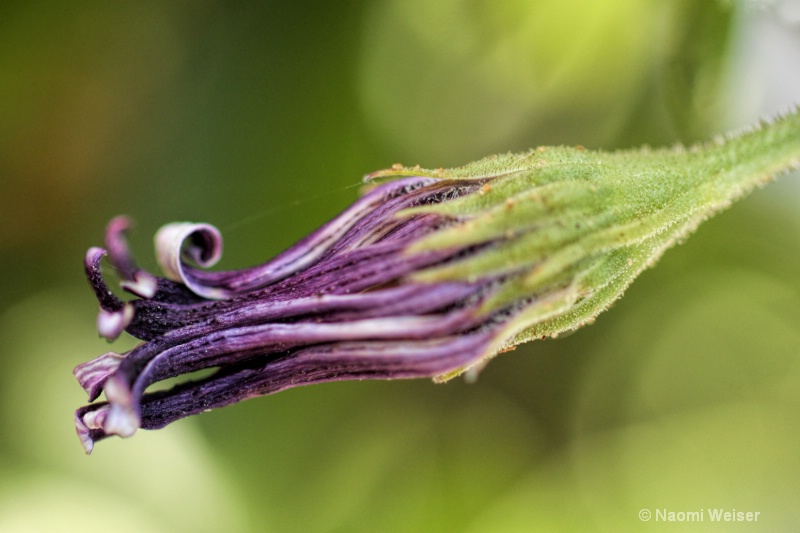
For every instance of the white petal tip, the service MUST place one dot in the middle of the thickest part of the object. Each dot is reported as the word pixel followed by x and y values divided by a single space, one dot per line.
pixel 143 285
pixel 110 324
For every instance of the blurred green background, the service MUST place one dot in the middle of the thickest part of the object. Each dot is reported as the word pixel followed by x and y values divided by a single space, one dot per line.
pixel 262 119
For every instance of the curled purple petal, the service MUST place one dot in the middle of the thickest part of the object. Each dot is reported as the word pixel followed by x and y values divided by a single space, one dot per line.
pixel 339 305
pixel 105 297
pixel 93 374
pixel 319 364
pixel 134 280
pixel 89 424
pixel 202 243
pixel 207 242
pixel 118 250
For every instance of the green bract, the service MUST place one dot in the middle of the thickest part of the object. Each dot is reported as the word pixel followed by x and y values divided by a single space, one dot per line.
pixel 571 228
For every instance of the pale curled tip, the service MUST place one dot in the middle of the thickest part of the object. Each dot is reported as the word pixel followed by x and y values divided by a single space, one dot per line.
pixel 96 419
pixel 93 374
pixel 120 421
pixel 105 297
pixel 117 246
pixel 110 324
pixel 122 418
pixel 84 434
pixel 94 255
pixel 199 242
pixel 119 223
pixel 143 284
pixel 118 226
pixel 91 263
pixel 118 392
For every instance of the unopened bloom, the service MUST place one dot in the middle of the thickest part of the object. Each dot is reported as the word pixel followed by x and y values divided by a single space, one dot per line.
pixel 428 275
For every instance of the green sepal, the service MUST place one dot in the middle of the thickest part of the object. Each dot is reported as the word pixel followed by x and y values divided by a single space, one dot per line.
pixel 569 229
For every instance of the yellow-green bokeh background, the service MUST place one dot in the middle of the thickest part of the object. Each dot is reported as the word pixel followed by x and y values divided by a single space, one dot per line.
pixel 261 119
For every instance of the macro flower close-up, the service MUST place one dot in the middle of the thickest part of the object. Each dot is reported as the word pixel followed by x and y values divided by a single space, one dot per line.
pixel 424 276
